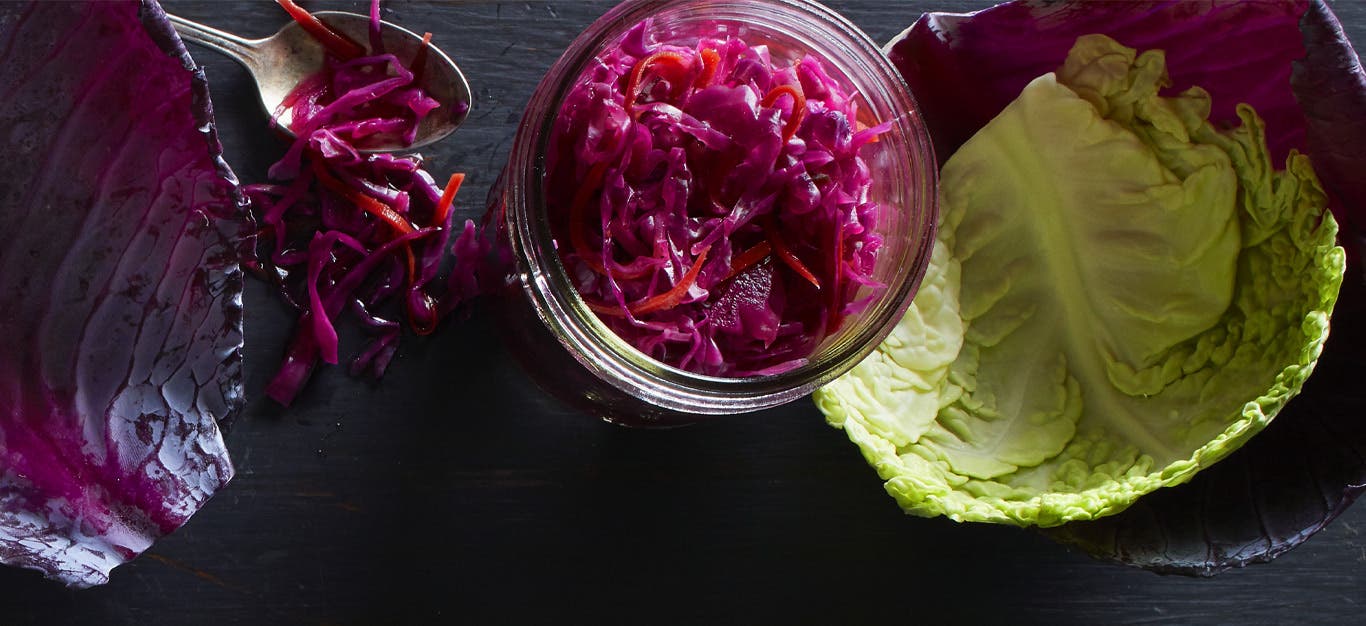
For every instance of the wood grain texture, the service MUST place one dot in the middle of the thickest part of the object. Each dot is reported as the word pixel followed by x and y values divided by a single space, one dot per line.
pixel 453 490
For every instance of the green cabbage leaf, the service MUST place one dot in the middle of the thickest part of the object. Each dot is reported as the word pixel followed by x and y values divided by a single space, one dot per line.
pixel 1120 295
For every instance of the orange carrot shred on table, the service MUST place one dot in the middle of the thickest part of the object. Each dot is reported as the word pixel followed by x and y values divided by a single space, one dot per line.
pixel 370 205
pixel 443 208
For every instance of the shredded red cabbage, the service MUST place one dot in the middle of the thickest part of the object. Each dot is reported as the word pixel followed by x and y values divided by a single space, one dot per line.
pixel 342 230
pixel 711 205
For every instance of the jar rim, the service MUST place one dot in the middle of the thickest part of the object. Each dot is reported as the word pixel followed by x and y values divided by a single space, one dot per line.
pixel 547 284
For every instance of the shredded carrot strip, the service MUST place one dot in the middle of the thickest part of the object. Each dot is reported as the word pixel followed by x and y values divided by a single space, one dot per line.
pixel 366 203
pixel 638 72
pixel 419 63
pixel 582 195
pixel 579 238
pixel 710 61
pixel 860 126
pixel 785 253
pixel 604 309
pixel 411 260
pixel 798 107
pixel 337 43
pixel 661 302
pixel 749 258
pixel 836 319
pixel 863 120
pixel 306 86
pixel 443 208
pixel 673 297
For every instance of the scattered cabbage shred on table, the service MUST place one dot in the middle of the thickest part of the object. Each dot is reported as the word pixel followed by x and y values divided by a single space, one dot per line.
pixel 1120 295
pixel 120 294
pixel 344 231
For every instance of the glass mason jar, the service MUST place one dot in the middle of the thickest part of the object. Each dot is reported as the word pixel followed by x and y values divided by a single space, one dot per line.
pixel 577 358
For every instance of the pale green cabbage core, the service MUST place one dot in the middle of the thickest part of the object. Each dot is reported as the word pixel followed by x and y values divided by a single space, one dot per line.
pixel 1120 295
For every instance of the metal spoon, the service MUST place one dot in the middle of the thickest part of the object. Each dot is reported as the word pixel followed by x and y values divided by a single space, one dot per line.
pixel 283 60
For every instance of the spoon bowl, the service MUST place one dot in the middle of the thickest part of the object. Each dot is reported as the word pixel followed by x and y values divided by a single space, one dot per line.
pixel 280 62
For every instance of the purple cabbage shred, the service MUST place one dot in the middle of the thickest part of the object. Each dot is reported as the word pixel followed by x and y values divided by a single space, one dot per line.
pixel 669 156
pixel 345 230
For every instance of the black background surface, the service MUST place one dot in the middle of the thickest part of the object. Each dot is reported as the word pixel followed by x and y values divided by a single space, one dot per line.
pixel 455 491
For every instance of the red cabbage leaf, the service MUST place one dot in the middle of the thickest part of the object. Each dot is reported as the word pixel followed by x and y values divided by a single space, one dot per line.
pixel 120 293
pixel 1290 60
pixel 1330 85
pixel 964 69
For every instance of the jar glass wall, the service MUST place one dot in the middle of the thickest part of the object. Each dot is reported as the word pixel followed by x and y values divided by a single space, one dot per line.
pixel 565 345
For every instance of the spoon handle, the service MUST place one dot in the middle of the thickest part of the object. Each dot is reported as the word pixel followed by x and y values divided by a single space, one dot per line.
pixel 242 50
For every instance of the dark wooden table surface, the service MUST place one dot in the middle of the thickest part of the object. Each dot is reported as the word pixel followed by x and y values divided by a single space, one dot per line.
pixel 455 491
